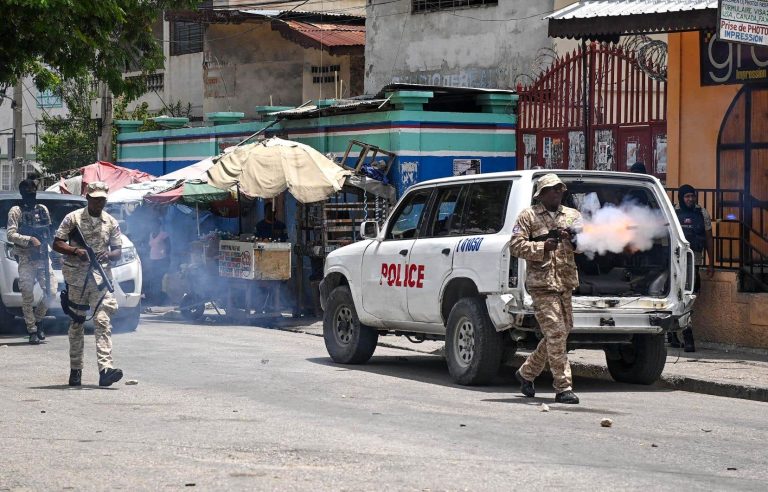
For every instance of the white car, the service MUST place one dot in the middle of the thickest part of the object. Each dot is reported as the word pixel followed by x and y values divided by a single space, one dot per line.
pixel 126 272
pixel 441 269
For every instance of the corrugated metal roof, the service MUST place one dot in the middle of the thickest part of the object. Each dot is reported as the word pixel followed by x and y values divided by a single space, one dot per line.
pixel 301 13
pixel 607 20
pixel 586 9
pixel 330 34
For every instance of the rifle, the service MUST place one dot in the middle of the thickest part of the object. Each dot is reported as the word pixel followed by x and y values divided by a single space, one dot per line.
pixel 94 262
pixel 555 234
pixel 43 234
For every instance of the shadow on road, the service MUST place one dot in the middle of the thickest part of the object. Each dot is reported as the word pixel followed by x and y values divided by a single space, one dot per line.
pixel 73 388
pixel 432 370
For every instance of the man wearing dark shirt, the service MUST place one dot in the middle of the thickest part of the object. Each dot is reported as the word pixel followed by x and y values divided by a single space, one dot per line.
pixel 270 227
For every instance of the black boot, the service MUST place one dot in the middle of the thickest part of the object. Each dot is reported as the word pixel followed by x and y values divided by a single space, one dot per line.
pixel 567 397
pixel 40 331
pixel 526 387
pixel 33 339
pixel 109 376
pixel 688 341
pixel 674 342
pixel 75 377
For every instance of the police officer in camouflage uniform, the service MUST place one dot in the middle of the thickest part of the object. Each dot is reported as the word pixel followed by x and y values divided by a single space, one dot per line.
pixel 24 223
pixel 102 233
pixel 551 279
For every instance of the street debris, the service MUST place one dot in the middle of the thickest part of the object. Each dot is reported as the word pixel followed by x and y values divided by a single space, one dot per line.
pixel 731 468
pixel 4 346
pixel 264 361
pixel 189 484
pixel 42 411
pixel 132 382
pixel 544 407
pixel 462 425
pixel 654 446
pixel 707 430
pixel 606 422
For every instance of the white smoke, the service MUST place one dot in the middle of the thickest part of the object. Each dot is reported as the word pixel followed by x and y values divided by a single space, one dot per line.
pixel 616 229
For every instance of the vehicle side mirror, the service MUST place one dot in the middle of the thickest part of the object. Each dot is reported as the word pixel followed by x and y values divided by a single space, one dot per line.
pixel 369 229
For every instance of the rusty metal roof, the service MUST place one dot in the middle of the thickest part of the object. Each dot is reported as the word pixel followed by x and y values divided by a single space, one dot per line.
pixel 330 34
pixel 601 19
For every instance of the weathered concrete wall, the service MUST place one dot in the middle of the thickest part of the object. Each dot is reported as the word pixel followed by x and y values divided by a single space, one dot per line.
pixel 722 314
pixel 488 46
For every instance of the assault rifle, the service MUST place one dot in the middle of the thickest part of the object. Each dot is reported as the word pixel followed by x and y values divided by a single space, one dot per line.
pixel 555 234
pixel 94 262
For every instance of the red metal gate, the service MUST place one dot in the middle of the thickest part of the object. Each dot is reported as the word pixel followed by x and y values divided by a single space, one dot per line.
pixel 627 111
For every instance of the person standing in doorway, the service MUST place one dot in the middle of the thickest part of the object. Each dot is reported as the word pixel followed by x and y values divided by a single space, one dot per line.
pixel 159 260
pixel 85 289
pixel 29 229
pixel 697 227
pixel 552 276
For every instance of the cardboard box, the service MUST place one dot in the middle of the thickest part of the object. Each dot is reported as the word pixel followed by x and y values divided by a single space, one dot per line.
pixel 255 261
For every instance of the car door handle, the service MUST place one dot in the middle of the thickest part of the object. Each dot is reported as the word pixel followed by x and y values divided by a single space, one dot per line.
pixel 403 252
pixel 446 251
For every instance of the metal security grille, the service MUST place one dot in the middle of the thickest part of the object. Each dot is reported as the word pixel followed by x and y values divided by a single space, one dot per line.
pixel 434 5
pixel 601 89
pixel 186 37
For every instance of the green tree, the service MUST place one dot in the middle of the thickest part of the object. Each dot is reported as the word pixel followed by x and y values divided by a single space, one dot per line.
pixel 70 142
pixel 55 40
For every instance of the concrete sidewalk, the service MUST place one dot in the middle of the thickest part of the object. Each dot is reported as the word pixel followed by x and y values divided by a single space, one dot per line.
pixel 713 369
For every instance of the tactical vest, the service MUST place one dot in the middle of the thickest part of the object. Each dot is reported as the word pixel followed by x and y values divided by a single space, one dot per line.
pixel 35 222
pixel 692 221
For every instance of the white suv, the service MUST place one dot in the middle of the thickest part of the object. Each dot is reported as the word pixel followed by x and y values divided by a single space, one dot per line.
pixel 126 272
pixel 441 269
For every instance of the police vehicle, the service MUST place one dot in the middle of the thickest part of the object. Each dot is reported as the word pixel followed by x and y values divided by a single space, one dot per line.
pixel 126 271
pixel 440 268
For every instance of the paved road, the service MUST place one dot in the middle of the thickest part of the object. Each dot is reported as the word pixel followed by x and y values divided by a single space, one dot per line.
pixel 248 408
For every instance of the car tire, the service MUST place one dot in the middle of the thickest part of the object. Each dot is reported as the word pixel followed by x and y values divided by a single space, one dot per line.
pixel 473 347
pixel 127 321
pixel 191 307
pixel 640 362
pixel 7 319
pixel 347 340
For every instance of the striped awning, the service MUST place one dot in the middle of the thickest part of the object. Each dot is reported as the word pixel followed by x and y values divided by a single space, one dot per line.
pixel 607 20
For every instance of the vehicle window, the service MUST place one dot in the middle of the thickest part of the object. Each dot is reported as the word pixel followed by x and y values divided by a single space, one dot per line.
pixel 405 221
pixel 446 219
pixel 58 209
pixel 487 207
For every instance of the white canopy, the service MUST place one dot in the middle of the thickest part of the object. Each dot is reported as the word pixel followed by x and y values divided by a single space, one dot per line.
pixel 268 168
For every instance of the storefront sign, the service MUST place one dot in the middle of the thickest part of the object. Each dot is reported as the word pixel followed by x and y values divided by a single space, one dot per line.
pixel 743 21
pixel 731 63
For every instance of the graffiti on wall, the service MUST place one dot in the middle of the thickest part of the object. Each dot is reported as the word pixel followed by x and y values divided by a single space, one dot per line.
pixel 486 78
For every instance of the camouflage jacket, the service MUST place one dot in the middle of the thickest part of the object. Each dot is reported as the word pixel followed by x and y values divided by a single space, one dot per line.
pixel 101 234
pixel 553 271
pixel 37 216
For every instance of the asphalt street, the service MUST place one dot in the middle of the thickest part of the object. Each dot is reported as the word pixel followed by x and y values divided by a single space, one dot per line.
pixel 247 408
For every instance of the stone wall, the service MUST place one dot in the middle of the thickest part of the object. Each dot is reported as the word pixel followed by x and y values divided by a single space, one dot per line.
pixel 722 314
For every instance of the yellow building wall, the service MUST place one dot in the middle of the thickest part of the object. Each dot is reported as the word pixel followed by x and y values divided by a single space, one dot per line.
pixel 694 115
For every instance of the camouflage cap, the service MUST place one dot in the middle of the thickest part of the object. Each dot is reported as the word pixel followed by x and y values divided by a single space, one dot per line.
pixel 97 189
pixel 548 181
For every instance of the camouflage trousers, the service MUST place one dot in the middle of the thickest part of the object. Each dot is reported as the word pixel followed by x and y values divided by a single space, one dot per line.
pixel 102 328
pixel 31 271
pixel 554 313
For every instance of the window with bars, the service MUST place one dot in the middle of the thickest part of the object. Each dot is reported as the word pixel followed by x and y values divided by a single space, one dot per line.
pixel 435 5
pixel 186 37
pixel 48 99
pixel 325 74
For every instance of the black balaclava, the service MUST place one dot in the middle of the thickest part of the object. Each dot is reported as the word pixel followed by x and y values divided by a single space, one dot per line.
pixel 28 191
pixel 682 191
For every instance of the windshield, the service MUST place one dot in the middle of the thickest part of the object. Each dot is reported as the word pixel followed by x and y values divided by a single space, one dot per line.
pixel 58 209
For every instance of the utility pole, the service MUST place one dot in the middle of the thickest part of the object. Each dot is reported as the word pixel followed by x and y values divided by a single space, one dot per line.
pixel 104 148
pixel 19 151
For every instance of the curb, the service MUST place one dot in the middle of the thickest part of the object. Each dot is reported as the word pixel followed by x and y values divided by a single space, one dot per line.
pixel 595 371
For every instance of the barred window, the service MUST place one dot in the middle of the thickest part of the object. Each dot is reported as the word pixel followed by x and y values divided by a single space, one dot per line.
pixel 325 74
pixel 434 5
pixel 186 37
pixel 48 99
